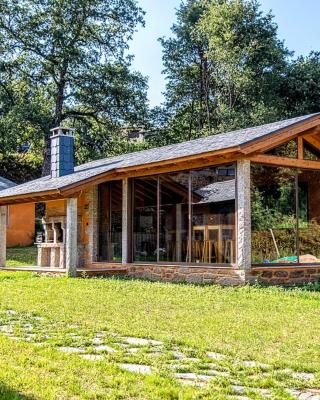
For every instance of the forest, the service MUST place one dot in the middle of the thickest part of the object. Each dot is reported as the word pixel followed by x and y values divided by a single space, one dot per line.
pixel 69 63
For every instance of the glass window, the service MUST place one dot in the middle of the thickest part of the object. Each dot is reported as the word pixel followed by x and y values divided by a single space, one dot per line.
pixel 173 230
pixel 110 226
pixel 273 213
pixel 213 215
pixel 145 219
pixel 309 217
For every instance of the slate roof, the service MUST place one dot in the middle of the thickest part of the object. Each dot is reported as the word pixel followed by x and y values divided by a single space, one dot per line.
pixel 5 183
pixel 218 192
pixel 171 152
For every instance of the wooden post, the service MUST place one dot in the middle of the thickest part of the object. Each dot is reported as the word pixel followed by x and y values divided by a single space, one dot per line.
pixel 126 221
pixel 3 235
pixel 300 148
pixel 243 215
pixel 72 237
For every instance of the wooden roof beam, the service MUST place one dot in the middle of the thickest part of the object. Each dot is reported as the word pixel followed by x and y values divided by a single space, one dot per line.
pixel 285 162
pixel 264 144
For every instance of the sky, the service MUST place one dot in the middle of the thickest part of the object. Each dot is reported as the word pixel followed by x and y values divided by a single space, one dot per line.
pixel 298 25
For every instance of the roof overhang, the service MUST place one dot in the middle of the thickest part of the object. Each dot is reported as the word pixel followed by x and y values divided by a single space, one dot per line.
pixel 250 149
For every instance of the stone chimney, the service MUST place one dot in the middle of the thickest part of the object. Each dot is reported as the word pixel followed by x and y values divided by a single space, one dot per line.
pixel 62 152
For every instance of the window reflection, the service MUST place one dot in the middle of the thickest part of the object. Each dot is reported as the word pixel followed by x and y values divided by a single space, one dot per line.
pixel 213 215
pixel 145 219
pixel 110 227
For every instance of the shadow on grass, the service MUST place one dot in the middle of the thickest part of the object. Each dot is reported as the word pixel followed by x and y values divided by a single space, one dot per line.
pixel 306 287
pixel 8 393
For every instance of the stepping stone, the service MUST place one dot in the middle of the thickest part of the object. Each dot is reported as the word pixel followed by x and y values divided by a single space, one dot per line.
pixel 104 347
pixel 305 376
pixel 190 376
pixel 138 368
pixel 6 328
pixel 216 356
pixel 192 383
pixel 71 349
pixel 133 350
pixel 238 389
pixel 92 357
pixel 11 312
pixel 141 341
pixel 255 364
pixel 97 340
pixel 215 372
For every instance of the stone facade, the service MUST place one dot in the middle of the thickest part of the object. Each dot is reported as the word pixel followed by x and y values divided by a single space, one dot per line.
pixel 293 275
pixel 190 274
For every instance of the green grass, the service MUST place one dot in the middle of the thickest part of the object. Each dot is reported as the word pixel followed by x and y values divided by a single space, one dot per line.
pixel 271 325
pixel 21 256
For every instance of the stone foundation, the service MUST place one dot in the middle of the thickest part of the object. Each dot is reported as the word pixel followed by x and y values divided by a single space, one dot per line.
pixel 282 275
pixel 190 274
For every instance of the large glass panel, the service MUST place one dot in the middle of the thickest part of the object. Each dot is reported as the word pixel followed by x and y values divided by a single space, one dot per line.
pixel 309 217
pixel 174 194
pixel 145 192
pixel 213 215
pixel 110 226
pixel 274 222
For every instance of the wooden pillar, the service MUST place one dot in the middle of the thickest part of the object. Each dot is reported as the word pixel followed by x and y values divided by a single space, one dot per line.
pixel 243 196
pixel 72 237
pixel 126 221
pixel 3 235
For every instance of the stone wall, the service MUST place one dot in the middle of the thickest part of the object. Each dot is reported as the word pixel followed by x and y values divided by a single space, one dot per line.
pixel 293 275
pixel 190 274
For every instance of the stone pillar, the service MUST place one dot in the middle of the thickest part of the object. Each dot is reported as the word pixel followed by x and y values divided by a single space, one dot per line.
pixel 3 235
pixel 243 216
pixel 72 237
pixel 126 221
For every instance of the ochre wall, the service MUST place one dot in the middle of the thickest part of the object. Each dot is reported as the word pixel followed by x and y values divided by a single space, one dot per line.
pixel 20 231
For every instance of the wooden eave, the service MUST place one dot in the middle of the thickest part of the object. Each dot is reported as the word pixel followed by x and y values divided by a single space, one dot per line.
pixel 252 150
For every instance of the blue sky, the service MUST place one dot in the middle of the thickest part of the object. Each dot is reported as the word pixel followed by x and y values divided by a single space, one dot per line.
pixel 298 22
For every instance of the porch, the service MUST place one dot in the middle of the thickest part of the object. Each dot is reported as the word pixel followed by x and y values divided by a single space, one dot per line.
pixel 249 213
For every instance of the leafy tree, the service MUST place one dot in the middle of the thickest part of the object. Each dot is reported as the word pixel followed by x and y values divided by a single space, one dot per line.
pixel 71 59
pixel 226 68
pixel 247 62
pixel 185 67
pixel 301 88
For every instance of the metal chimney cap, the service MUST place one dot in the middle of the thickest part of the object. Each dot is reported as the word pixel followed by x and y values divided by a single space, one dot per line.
pixel 60 131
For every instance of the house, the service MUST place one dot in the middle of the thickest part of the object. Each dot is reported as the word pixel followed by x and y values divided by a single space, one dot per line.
pixel 231 208
pixel 20 220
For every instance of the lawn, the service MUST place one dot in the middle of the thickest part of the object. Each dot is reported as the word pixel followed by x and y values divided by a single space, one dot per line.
pixel 74 338
pixel 21 256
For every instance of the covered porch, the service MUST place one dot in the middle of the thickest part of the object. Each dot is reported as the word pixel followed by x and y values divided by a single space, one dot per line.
pixel 243 214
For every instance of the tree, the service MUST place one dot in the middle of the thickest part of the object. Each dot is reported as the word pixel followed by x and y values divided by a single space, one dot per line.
pixel 185 67
pixel 225 68
pixel 301 86
pixel 70 57
pixel 247 62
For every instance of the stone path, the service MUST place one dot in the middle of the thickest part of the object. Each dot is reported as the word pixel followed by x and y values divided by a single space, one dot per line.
pixel 243 378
